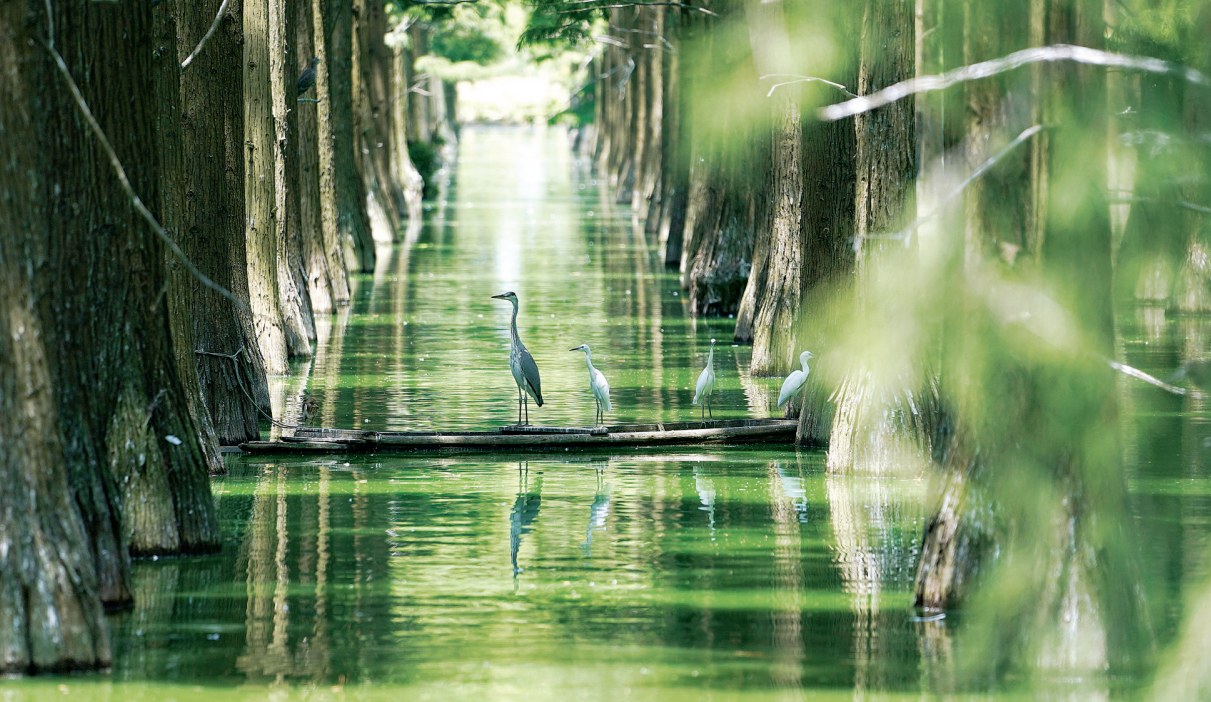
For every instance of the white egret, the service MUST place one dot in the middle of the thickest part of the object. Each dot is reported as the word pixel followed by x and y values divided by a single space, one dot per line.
pixel 521 363
pixel 794 381
pixel 706 384
pixel 598 384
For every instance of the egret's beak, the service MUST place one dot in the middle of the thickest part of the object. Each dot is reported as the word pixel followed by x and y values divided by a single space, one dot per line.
pixel 578 348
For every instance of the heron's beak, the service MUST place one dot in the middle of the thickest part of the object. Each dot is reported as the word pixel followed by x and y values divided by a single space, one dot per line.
pixel 578 348
pixel 498 297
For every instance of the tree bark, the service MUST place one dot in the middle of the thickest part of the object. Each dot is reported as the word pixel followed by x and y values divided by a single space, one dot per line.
pixel 1068 541
pixel 722 204
pixel 379 63
pixel 352 220
pixel 383 217
pixel 403 170
pixel 260 191
pixel 769 308
pixel 334 248
pixel 234 389
pixel 674 151
pixel 311 214
pixel 172 216
pixel 294 298
pixel 884 190
pixel 51 614
pixel 86 336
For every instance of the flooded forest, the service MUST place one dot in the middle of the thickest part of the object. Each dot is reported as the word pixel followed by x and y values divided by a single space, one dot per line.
pixel 867 349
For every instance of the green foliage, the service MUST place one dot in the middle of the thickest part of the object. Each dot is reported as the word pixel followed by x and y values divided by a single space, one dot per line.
pixel 428 161
pixel 556 24
pixel 460 42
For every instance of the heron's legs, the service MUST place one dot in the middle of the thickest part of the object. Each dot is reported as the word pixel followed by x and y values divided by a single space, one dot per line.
pixel 710 410
pixel 519 396
pixel 525 399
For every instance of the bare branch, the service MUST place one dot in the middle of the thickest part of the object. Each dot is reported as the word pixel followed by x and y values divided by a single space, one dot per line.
pixel 592 5
pixel 1152 380
pixel 130 191
pixel 802 79
pixel 905 234
pixel 1058 52
pixel 213 26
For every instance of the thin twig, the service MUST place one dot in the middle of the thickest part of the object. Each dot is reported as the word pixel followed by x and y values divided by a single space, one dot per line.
pixel 130 191
pixel 1058 52
pixel 50 26
pixel 591 5
pixel 905 234
pixel 802 79
pixel 213 26
pixel 1152 380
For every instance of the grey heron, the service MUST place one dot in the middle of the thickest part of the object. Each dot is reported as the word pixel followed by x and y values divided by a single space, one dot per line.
pixel 521 363
pixel 706 384
pixel 311 407
pixel 794 381
pixel 307 77
pixel 598 384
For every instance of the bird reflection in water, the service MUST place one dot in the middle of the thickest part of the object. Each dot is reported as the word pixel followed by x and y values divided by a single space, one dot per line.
pixel 525 511
pixel 599 511
pixel 706 495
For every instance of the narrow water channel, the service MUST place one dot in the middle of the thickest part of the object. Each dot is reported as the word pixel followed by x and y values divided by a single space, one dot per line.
pixel 720 574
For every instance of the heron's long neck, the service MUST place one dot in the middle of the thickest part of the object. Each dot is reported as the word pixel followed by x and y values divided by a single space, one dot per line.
pixel 710 359
pixel 588 359
pixel 513 327
pixel 804 364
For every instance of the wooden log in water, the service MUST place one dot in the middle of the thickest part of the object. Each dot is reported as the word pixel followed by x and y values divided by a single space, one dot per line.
pixel 769 431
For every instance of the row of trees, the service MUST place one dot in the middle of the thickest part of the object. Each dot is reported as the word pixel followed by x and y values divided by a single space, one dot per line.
pixel 173 216
pixel 953 256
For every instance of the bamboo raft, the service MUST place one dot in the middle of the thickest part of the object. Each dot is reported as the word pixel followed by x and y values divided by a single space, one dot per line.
pixel 719 431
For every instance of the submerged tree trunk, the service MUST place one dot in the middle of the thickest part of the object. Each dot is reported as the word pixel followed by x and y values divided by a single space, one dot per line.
pixel 293 295
pixel 334 248
pixel 259 189
pixel 311 216
pixel 1074 602
pixel 674 151
pixel 85 337
pixel 378 64
pixel 352 220
pixel 383 218
pixel 229 362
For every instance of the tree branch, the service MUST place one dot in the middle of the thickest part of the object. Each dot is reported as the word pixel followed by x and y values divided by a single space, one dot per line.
pixel 213 26
pixel 1058 52
pixel 592 5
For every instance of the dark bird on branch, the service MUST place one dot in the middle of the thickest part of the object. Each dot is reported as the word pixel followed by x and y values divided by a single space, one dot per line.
pixel 307 77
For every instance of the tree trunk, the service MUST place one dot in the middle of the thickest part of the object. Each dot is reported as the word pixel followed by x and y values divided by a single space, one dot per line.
pixel 86 337
pixel 769 308
pixel 172 217
pixel 352 220
pixel 403 170
pixel 379 63
pixel 334 248
pixel 418 121
pixel 383 217
pixel 51 614
pixel 884 197
pixel 722 205
pixel 1071 546
pixel 259 189
pixel 293 294
pixel 235 388
pixel 311 210
pixel 674 149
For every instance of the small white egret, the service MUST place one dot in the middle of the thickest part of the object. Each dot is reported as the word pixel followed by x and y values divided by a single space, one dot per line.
pixel 706 384
pixel 794 381
pixel 525 372
pixel 598 384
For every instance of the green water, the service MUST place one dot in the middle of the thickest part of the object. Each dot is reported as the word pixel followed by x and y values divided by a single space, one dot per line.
pixel 712 574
